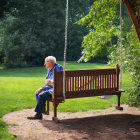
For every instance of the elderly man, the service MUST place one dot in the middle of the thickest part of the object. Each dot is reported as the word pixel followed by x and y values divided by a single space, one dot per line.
pixel 45 93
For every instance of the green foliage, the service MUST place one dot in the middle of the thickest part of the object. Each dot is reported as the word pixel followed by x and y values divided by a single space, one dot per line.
pixel 3 7
pixel 32 32
pixel 34 29
pixel 132 63
pixel 1 41
pixel 103 21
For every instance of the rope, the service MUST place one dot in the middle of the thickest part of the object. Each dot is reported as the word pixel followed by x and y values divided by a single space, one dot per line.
pixel 65 48
pixel 120 44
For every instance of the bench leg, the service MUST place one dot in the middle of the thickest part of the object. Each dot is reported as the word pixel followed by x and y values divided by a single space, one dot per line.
pixel 47 107
pixel 118 107
pixel 55 112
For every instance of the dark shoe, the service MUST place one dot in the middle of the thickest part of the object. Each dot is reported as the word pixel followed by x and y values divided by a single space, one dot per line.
pixel 35 117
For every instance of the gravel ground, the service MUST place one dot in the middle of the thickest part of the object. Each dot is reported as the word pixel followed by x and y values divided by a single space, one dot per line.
pixel 108 124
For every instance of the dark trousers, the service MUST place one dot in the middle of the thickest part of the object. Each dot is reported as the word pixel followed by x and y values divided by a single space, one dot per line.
pixel 41 101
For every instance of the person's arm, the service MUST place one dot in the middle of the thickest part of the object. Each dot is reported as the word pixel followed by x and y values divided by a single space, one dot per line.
pixel 39 90
pixel 48 82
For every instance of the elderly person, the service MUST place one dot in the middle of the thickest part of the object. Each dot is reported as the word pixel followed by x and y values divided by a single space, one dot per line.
pixel 45 93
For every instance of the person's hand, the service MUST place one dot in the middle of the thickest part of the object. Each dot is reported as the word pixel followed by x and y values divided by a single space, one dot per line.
pixel 39 91
pixel 48 82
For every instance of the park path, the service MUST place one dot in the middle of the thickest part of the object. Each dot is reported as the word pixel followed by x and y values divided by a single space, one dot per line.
pixel 108 124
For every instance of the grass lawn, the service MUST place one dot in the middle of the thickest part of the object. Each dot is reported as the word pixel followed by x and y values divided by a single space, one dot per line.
pixel 17 88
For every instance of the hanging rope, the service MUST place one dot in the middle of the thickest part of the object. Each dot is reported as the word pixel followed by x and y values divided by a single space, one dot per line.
pixel 65 48
pixel 120 44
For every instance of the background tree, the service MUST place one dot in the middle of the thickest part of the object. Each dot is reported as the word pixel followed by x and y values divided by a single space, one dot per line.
pixel 103 21
pixel 35 29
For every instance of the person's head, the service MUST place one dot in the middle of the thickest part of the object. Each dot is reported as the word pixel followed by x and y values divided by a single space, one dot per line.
pixel 49 62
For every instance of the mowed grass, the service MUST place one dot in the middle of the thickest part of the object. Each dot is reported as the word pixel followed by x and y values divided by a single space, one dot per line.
pixel 18 86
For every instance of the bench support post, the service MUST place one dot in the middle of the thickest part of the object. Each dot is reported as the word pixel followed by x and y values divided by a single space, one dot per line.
pixel 47 107
pixel 55 104
pixel 118 107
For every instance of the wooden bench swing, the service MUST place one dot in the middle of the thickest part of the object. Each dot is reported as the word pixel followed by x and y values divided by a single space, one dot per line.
pixel 85 83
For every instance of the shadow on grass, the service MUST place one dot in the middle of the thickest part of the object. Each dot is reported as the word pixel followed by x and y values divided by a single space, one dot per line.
pixel 114 126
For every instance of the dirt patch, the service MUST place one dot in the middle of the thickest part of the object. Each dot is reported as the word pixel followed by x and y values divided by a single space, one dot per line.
pixel 109 124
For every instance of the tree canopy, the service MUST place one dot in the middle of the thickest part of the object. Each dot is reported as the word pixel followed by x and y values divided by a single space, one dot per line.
pixel 33 29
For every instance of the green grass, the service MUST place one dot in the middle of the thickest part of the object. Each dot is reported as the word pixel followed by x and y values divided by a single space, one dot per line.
pixel 17 88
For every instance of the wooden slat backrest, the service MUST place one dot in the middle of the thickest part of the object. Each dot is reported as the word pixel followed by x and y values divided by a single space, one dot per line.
pixel 79 81
pixel 91 81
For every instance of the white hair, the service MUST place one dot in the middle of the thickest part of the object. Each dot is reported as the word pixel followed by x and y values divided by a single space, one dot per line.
pixel 51 58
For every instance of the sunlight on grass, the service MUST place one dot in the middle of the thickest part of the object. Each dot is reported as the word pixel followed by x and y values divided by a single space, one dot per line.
pixel 18 87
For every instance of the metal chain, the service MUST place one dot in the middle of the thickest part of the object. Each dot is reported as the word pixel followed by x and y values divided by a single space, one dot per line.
pixel 120 44
pixel 65 48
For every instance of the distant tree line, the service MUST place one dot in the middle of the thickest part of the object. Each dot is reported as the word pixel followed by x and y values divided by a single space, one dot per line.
pixel 30 30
